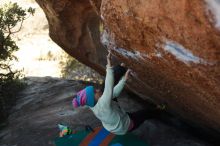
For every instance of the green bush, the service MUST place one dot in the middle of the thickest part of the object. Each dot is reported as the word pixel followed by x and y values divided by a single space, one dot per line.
pixel 73 69
pixel 11 20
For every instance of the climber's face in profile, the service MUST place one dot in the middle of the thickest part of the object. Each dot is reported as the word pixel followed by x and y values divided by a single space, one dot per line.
pixel 98 94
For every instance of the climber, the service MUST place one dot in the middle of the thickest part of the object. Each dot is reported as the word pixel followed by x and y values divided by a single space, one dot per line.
pixel 113 118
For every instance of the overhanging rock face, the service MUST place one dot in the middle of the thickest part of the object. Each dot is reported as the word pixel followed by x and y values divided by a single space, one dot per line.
pixel 173 47
pixel 74 26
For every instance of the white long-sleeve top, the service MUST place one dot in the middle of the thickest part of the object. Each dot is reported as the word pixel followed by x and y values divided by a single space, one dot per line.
pixel 113 118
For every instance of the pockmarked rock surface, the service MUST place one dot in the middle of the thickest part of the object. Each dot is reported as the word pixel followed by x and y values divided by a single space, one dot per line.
pixel 47 102
pixel 171 46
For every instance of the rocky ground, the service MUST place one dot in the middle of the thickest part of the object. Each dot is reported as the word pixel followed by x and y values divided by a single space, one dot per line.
pixel 46 102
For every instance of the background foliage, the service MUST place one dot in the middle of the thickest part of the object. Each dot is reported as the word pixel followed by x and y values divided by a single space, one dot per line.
pixel 73 69
pixel 11 20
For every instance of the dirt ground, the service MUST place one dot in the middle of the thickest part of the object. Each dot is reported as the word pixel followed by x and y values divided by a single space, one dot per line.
pixel 46 102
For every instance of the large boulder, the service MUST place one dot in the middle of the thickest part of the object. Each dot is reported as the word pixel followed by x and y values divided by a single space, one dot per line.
pixel 173 47
pixel 74 26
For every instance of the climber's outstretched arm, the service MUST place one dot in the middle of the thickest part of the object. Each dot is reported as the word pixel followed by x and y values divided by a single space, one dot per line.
pixel 109 81
pixel 119 87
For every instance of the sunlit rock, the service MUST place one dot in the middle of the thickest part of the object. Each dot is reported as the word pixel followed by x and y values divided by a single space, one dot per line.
pixel 171 46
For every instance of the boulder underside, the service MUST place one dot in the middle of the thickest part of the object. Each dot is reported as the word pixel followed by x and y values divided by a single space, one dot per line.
pixel 172 47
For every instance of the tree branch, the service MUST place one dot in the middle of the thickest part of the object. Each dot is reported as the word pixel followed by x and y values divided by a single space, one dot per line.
pixel 19 27
pixel 9 31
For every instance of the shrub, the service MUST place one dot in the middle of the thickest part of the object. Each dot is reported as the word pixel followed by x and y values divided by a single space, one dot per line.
pixel 73 69
pixel 11 20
